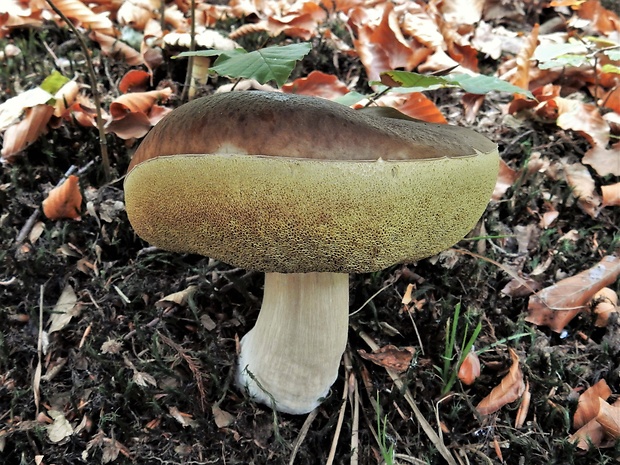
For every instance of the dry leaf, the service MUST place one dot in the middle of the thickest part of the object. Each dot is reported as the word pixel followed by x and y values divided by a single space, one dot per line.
pixel 604 161
pixel 588 405
pixel 592 432
pixel 524 407
pixel 137 102
pixel 60 429
pixel 185 419
pixel 522 76
pixel 609 418
pixel 64 201
pixel 462 11
pixel 469 369
pixel 580 180
pixel 505 179
pixel 510 389
pixel 317 84
pixel 556 305
pixel 65 97
pixel 66 308
pixel 221 417
pixel 179 298
pixel 611 195
pixel 114 48
pixel 143 379
pixel 606 303
pixel 390 357
pixel 584 118
pixel 85 17
pixel 19 136
pixel 111 346
pixel 135 80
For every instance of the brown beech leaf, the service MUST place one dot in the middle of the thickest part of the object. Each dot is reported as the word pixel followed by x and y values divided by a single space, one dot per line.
pixel 135 80
pixel 606 303
pixel 111 46
pixel 611 195
pixel 137 102
pixel 524 407
pixel 590 433
pixel 510 389
pixel 383 47
pixel 584 188
pixel 604 161
pixel 609 418
pixel 20 135
pixel 555 306
pixel 462 11
pixel 506 178
pixel 584 118
pixel 85 17
pixel 522 76
pixel 469 369
pixel 588 405
pixel 131 126
pixel 602 19
pixel 180 298
pixel 65 97
pixel 390 357
pixel 64 201
pixel 317 84
pixel 418 106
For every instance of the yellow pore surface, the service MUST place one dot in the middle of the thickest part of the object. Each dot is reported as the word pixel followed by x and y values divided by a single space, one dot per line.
pixel 277 214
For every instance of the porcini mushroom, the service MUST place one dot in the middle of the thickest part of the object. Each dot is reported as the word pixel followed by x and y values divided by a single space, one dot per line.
pixel 307 191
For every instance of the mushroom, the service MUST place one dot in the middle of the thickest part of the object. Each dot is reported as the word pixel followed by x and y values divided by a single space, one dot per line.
pixel 305 190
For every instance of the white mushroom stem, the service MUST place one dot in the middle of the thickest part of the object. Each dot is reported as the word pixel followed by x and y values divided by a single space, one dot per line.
pixel 292 355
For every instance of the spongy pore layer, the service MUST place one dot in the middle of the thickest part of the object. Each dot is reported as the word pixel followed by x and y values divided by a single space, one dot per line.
pixel 278 214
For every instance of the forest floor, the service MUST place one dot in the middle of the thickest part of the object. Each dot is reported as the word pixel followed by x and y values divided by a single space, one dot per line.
pixel 126 377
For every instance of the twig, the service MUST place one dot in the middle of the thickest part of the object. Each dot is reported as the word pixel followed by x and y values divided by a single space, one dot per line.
pixel 192 47
pixel 343 406
pixel 30 222
pixel 103 143
pixel 302 434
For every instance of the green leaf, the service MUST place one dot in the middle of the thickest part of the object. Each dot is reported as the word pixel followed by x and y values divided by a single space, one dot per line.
pixel 613 55
pixel 481 84
pixel 54 82
pixel 566 60
pixel 210 53
pixel 609 68
pixel 478 84
pixel 268 64
pixel 350 98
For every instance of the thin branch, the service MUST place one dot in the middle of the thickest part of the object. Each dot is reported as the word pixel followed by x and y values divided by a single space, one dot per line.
pixel 192 48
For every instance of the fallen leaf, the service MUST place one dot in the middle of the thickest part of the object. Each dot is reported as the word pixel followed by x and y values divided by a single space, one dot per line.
pixel 580 180
pixel 20 135
pixel 135 80
pixel 609 418
pixel 588 404
pixel 590 433
pixel 584 118
pixel 462 11
pixel 524 407
pixel 114 48
pixel 185 419
pixel 137 102
pixel 469 370
pixel 505 179
pixel 179 298
pixel 64 201
pixel 317 84
pixel 510 389
pixel 604 161
pixel 390 357
pixel 66 308
pixel 65 97
pixel 555 306
pixel 611 195
pixel 76 10
pixel 606 301
pixel 522 76
pixel 221 417
pixel 60 429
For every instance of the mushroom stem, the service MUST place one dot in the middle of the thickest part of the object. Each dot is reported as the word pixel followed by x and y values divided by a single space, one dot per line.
pixel 292 355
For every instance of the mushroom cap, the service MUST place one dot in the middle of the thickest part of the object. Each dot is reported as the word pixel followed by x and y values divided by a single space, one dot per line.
pixel 295 184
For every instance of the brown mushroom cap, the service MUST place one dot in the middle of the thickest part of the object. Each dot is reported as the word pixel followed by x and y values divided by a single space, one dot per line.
pixel 294 184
